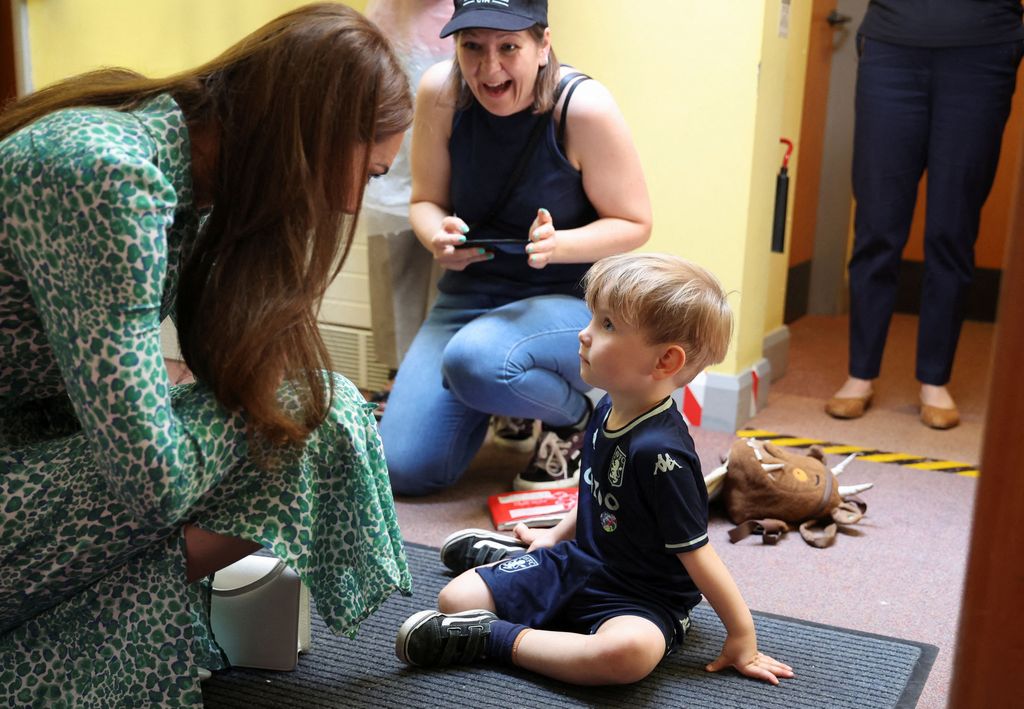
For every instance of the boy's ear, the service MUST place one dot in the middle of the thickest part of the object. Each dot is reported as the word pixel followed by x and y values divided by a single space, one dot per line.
pixel 670 363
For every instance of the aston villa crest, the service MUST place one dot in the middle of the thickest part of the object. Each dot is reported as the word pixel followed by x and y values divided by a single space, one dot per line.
pixel 618 468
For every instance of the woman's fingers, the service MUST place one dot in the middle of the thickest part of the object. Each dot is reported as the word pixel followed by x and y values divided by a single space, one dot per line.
pixel 446 243
pixel 453 232
pixel 457 259
pixel 543 226
pixel 454 225
pixel 542 240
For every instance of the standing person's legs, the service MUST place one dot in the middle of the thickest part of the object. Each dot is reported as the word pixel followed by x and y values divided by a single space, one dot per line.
pixel 889 151
pixel 890 148
pixel 971 100
pixel 429 435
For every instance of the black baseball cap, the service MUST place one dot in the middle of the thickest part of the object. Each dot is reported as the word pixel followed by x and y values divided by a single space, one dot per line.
pixel 510 15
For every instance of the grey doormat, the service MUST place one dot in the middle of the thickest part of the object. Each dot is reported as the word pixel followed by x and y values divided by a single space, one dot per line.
pixel 834 668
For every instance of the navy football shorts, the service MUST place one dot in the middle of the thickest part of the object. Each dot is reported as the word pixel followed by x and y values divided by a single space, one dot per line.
pixel 563 588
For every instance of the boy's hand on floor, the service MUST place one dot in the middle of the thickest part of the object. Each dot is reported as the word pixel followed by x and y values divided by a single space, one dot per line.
pixel 750 662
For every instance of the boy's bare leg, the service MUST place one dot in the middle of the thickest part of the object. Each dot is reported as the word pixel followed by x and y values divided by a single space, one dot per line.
pixel 623 650
pixel 206 552
pixel 465 592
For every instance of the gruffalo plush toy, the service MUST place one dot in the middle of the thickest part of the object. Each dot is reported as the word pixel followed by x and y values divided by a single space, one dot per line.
pixel 769 491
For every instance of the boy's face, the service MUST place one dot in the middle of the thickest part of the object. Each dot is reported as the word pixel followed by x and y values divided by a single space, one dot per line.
pixel 615 356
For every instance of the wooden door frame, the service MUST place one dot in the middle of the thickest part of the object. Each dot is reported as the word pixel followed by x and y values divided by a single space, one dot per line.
pixel 8 58
pixel 990 648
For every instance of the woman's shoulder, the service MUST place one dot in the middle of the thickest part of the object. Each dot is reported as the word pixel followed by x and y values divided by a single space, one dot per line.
pixel 590 98
pixel 434 95
pixel 435 103
pixel 87 134
pixel 103 153
pixel 434 82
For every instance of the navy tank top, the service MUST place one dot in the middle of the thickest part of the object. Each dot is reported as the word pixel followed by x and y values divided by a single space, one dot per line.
pixel 484 150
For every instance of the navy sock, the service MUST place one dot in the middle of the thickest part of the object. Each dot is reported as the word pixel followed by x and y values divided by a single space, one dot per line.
pixel 500 640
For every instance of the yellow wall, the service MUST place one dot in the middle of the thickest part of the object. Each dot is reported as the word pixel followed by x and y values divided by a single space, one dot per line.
pixel 704 87
pixel 154 37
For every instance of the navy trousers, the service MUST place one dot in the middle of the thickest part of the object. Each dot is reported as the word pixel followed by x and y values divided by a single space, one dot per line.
pixel 921 108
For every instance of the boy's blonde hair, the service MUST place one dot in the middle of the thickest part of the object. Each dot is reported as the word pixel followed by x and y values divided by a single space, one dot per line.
pixel 670 300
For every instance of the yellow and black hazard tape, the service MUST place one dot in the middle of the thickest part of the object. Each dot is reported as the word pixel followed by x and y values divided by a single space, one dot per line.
pixel 867 454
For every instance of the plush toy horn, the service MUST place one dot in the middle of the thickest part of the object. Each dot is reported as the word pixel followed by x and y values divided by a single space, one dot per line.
pixel 845 490
pixel 715 480
pixel 841 466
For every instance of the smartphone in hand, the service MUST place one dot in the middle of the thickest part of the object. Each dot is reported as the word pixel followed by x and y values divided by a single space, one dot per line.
pixel 507 246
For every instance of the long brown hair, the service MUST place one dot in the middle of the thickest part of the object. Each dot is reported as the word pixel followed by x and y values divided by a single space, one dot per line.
pixel 296 106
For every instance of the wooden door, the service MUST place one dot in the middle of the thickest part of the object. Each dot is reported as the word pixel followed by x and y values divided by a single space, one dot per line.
pixel 8 75
pixel 989 651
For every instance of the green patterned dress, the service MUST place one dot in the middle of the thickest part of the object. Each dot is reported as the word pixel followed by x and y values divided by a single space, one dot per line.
pixel 102 460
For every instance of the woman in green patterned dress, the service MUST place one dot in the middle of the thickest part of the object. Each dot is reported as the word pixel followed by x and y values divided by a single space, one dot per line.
pixel 224 197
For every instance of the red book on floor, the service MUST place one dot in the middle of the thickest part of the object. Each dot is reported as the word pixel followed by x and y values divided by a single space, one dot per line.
pixel 534 508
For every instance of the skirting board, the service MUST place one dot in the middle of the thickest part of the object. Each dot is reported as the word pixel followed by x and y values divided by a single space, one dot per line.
pixel 775 348
pixel 724 402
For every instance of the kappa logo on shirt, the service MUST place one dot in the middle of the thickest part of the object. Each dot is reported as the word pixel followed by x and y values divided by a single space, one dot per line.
pixel 665 463
pixel 617 469
pixel 519 563
pixel 502 3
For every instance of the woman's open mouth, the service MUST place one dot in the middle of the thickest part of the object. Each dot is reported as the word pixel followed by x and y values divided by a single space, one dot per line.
pixel 496 90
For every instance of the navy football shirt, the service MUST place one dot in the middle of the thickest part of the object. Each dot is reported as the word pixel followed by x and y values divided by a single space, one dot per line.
pixel 642 501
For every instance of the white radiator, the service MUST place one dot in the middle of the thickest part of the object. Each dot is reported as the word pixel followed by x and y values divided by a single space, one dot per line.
pixel 351 350
pixel 353 355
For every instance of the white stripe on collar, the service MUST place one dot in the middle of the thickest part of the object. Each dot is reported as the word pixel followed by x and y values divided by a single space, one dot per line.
pixel 658 409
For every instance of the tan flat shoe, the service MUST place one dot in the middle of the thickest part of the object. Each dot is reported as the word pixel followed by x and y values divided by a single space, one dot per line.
pixel 848 407
pixel 937 417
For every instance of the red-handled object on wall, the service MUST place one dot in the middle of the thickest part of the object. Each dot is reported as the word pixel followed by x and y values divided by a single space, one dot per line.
pixel 781 201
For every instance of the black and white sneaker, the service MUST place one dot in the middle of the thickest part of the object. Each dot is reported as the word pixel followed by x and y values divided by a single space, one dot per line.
pixel 433 639
pixel 513 433
pixel 555 463
pixel 469 548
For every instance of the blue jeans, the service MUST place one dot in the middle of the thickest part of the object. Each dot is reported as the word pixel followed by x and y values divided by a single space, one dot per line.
pixel 478 355
pixel 917 108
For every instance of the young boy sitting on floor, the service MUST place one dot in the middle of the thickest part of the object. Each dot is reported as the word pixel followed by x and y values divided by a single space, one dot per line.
pixel 602 597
